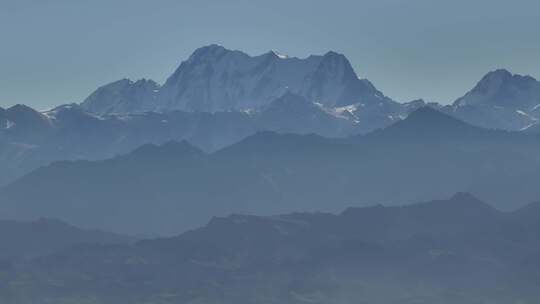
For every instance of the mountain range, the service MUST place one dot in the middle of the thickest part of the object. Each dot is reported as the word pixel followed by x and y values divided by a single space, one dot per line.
pixel 457 250
pixel 215 79
pixel 238 139
pixel 218 97
pixel 176 186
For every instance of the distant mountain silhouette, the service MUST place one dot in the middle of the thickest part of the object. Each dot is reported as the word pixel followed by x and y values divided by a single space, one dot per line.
pixel 427 122
pixel 457 249
pixel 175 186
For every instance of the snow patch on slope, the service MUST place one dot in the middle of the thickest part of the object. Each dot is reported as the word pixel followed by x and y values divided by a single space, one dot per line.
pixel 8 124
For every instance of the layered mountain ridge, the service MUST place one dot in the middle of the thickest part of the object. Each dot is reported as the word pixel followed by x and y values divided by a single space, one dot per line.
pixel 69 132
pixel 269 173
pixel 444 251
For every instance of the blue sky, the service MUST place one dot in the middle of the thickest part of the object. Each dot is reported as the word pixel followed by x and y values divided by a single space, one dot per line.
pixel 59 51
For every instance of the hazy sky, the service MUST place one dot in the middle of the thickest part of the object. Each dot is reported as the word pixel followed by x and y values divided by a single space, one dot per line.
pixel 59 51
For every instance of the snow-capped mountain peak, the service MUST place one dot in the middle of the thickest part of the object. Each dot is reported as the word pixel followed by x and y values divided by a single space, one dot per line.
pixel 501 100
pixel 217 79
pixel 502 88
pixel 123 96
pixel 279 55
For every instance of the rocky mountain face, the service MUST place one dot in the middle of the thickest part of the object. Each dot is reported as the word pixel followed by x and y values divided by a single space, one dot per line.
pixel 444 251
pixel 216 79
pixel 172 189
pixel 123 96
pixel 501 100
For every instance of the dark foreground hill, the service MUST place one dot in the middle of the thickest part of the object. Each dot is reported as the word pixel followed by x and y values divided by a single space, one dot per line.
pixel 458 250
pixel 167 189
pixel 19 240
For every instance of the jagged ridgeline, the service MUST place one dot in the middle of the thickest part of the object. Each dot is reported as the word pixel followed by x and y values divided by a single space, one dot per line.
pixel 216 79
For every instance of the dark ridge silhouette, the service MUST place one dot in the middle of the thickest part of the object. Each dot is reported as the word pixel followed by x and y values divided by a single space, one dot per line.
pixel 455 248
